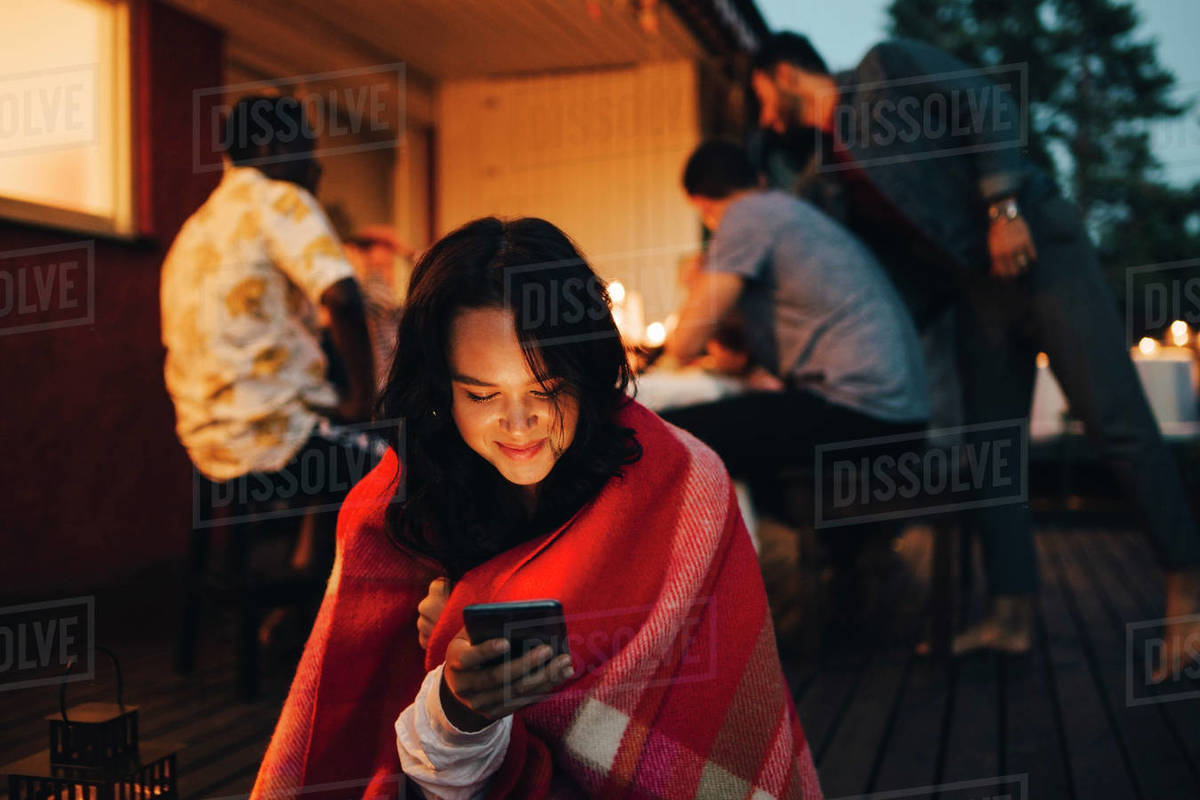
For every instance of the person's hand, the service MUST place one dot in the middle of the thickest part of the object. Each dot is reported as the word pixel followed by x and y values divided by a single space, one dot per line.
pixel 1011 247
pixel 475 692
pixel 429 609
pixel 762 380
pixel 688 268
pixel 719 358
pixel 668 363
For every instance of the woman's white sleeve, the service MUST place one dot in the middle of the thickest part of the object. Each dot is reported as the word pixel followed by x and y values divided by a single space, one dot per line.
pixel 445 762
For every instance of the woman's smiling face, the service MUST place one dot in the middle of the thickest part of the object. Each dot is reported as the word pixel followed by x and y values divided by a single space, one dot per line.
pixel 518 425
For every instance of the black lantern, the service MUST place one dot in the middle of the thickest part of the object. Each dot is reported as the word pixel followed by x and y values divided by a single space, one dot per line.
pixel 95 755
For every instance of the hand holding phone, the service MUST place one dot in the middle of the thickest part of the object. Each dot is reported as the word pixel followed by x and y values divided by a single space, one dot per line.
pixel 524 623
pixel 509 655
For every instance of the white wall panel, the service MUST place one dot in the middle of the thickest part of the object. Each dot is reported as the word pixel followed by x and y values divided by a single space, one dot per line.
pixel 598 153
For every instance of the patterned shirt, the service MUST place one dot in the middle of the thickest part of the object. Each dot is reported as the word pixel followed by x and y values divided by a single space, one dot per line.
pixel 239 287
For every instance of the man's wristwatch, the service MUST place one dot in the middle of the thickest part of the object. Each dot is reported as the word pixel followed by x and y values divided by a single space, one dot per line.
pixel 1006 209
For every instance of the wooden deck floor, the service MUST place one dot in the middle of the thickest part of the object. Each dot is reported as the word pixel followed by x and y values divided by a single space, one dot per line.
pixel 880 720
pixel 885 720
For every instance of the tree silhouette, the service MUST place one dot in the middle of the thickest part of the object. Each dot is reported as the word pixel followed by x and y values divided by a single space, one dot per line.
pixel 1095 88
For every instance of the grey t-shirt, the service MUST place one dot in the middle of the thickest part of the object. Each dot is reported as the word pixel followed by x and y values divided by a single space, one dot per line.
pixel 819 308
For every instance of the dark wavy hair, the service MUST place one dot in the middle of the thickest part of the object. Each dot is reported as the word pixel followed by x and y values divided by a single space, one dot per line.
pixel 458 508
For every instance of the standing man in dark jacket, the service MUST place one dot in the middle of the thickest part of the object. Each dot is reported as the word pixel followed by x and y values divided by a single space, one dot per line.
pixel 921 155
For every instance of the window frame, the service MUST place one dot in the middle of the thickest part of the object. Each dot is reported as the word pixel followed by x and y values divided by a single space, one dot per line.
pixel 123 222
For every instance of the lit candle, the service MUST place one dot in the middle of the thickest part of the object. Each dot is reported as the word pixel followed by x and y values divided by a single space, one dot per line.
pixel 616 290
pixel 628 312
pixel 1150 350
pixel 616 293
pixel 656 334
pixel 1179 333
pixel 635 317
pixel 1178 336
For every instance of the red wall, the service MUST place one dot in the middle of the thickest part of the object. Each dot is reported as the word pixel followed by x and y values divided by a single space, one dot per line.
pixel 93 483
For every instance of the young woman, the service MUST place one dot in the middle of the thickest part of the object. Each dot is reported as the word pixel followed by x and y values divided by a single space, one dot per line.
pixel 521 470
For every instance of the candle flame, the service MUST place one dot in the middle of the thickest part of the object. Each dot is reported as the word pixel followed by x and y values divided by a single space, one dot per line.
pixel 1179 333
pixel 616 290
pixel 1148 346
pixel 656 334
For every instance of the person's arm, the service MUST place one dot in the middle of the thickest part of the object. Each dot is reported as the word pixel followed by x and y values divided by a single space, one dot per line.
pixel 993 128
pixel 738 252
pixel 443 760
pixel 348 329
pixel 988 115
pixel 710 298
pixel 455 735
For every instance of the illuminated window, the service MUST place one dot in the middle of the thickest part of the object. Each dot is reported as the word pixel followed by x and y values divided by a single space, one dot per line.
pixel 65 114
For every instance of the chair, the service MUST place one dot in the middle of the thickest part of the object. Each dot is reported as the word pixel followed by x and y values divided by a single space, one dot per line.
pixel 796 504
pixel 250 590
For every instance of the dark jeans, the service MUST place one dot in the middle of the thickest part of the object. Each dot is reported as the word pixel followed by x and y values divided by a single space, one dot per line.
pixel 317 477
pixel 1063 307
pixel 759 433
pixel 315 481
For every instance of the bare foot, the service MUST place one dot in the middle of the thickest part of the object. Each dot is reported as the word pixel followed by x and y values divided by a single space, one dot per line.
pixel 1181 634
pixel 1008 628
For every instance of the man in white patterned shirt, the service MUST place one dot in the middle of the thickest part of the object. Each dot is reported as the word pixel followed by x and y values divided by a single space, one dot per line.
pixel 239 289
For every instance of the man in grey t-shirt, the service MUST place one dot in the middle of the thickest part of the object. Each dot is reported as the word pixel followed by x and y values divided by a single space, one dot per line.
pixel 818 312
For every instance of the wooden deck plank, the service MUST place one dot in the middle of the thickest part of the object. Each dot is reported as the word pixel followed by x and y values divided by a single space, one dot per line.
pixel 854 752
pixel 826 697
pixel 914 746
pixel 215 744
pixel 972 748
pixel 973 743
pixel 1096 764
pixel 857 746
pixel 1157 765
pixel 204 766
pixel 1033 743
pixel 235 786
pixel 1137 597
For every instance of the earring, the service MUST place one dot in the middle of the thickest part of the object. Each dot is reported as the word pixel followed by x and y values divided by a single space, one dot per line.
pixel 433 413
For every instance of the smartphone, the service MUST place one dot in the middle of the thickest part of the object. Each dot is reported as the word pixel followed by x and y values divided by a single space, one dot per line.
pixel 525 623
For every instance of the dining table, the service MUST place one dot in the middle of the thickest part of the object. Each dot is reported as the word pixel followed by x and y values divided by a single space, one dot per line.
pixel 660 389
pixel 1170 377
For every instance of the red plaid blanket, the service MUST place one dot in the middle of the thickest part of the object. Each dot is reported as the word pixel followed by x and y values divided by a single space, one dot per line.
pixel 678 690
